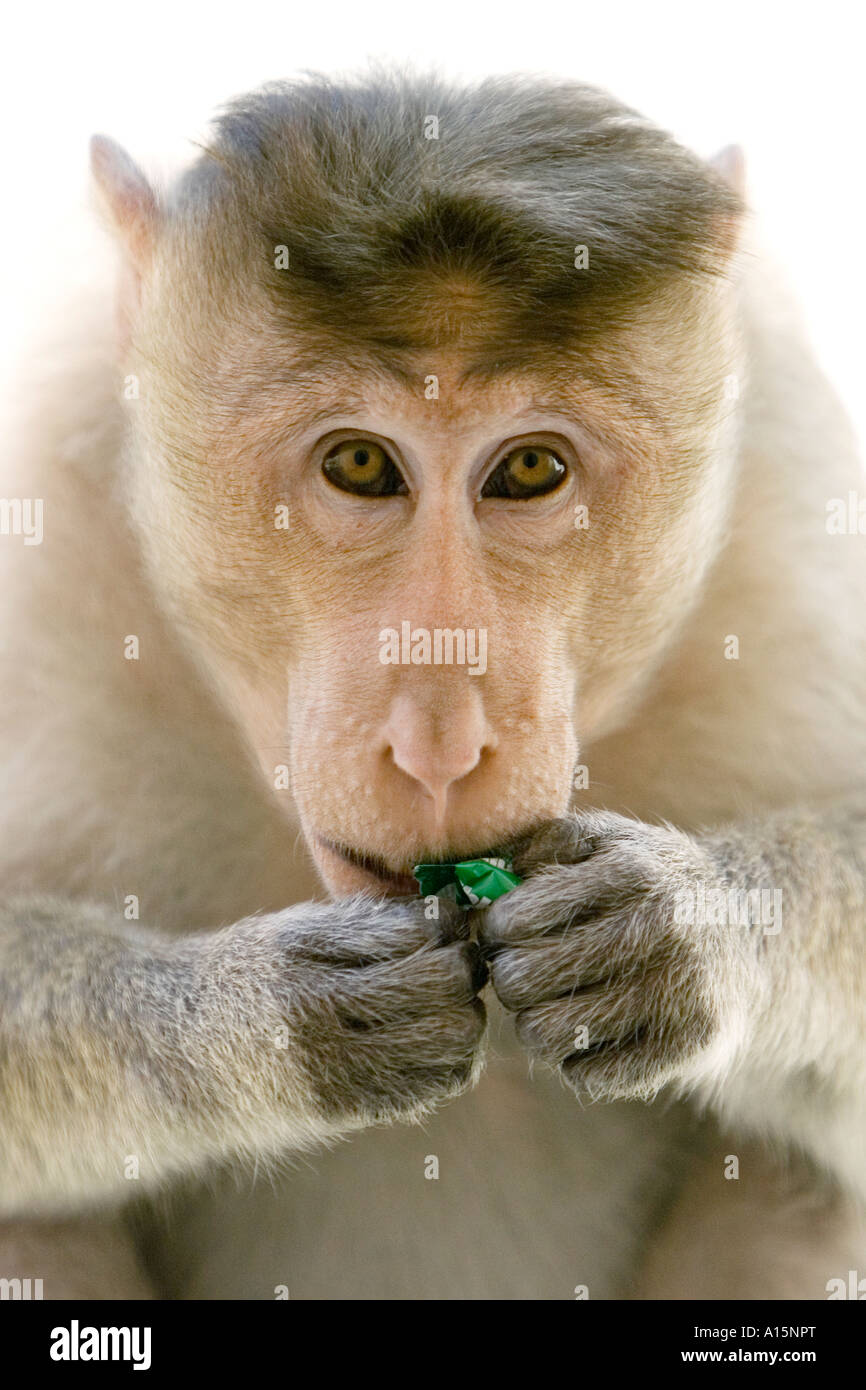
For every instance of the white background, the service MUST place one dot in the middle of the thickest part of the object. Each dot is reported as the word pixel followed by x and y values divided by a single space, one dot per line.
pixel 783 79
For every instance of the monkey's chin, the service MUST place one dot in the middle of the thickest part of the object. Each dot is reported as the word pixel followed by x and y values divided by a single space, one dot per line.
pixel 343 876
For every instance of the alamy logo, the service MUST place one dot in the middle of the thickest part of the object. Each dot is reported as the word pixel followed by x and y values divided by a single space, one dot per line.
pixel 444 646
pixel 22 516
pixel 846 516
pixel 854 1287
pixel 704 906
pixel 21 1289
pixel 77 1343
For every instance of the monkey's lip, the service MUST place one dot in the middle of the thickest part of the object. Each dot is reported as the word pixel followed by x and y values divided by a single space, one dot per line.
pixel 397 884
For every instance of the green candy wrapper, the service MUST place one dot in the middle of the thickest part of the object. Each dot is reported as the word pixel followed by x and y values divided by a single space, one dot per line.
pixel 472 883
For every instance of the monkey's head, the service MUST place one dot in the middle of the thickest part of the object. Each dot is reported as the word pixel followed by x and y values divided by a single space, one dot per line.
pixel 430 438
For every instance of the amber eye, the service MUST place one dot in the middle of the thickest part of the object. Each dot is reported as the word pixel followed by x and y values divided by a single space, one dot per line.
pixel 529 471
pixel 362 467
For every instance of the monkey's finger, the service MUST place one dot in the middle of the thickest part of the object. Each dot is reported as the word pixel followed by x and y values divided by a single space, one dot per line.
pixel 380 1072
pixel 631 1046
pixel 426 1057
pixel 423 983
pixel 572 839
pixel 610 948
pixel 565 840
pixel 563 897
pixel 362 931
pixel 588 1021
pixel 439 1038
pixel 525 976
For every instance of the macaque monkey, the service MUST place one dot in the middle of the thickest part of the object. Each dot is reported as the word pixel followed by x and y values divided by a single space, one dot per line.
pixel 502 364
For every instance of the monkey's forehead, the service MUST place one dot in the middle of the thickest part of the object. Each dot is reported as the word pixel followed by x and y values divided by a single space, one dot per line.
pixel 417 213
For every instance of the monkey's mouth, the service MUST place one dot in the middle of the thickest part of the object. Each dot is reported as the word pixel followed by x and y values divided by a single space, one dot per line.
pixel 354 869
pixel 372 867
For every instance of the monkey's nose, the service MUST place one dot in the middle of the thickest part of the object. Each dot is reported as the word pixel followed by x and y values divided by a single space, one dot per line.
pixel 438 748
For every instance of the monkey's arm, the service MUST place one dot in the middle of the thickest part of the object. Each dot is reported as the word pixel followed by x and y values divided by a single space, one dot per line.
pixel 127 1056
pixel 731 963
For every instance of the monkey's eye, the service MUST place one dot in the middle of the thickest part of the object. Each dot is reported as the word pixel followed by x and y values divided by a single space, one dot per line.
pixel 362 467
pixel 528 471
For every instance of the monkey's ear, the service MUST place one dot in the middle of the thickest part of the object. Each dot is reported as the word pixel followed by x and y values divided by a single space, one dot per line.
pixel 128 198
pixel 134 213
pixel 730 163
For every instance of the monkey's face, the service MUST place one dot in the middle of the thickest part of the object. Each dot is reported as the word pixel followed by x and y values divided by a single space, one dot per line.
pixel 429 486
pixel 425 591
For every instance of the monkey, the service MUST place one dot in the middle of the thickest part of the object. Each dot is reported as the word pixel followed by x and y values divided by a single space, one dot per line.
pixel 500 358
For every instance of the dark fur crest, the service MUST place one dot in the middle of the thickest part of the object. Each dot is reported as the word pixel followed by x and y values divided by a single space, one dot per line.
pixel 399 242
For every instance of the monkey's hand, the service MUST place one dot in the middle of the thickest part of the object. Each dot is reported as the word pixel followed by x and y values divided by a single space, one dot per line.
pixel 125 1049
pixel 608 983
pixel 375 1006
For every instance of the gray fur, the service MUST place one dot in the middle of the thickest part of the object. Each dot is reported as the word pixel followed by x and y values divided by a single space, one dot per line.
pixel 278 1032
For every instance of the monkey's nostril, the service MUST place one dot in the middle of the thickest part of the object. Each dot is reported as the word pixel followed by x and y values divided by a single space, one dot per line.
pixel 433 756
